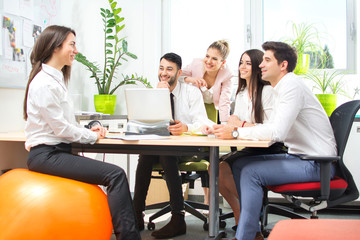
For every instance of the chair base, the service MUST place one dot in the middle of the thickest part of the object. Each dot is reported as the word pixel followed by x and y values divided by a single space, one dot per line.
pixel 277 210
pixel 190 207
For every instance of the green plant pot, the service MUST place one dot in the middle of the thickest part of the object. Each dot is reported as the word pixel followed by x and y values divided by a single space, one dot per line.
pixel 328 101
pixel 303 64
pixel 105 103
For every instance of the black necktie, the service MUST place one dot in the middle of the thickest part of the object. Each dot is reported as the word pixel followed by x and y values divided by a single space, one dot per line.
pixel 172 105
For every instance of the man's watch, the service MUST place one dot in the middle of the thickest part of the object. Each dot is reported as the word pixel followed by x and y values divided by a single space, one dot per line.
pixel 235 133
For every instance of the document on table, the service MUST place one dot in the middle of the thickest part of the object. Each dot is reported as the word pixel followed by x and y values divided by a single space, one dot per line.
pixel 137 137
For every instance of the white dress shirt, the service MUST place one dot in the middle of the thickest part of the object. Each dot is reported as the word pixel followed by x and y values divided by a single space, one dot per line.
pixel 243 105
pixel 189 107
pixel 51 118
pixel 298 120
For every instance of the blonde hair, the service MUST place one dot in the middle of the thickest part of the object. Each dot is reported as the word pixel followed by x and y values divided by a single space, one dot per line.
pixel 222 46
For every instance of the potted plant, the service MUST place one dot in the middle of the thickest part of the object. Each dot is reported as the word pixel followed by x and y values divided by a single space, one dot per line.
pixel 329 83
pixel 306 41
pixel 115 50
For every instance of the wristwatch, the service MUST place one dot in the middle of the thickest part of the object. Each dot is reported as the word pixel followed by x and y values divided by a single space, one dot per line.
pixel 235 133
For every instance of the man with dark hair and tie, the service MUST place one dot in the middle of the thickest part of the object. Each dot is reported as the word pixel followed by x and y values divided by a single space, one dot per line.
pixel 190 115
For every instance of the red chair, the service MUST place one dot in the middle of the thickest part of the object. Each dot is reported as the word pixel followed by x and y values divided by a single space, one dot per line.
pixel 328 192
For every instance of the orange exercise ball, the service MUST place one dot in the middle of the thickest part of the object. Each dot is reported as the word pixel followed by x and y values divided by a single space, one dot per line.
pixel 35 206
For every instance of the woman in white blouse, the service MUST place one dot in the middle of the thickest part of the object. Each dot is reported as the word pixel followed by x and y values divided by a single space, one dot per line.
pixel 51 127
pixel 253 104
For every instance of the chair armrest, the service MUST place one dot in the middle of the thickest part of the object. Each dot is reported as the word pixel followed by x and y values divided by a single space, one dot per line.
pixel 320 158
pixel 325 172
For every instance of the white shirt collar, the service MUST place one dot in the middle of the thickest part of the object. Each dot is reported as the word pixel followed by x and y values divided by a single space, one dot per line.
pixel 53 72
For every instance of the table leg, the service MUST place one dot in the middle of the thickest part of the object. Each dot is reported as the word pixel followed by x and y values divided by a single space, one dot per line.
pixel 214 194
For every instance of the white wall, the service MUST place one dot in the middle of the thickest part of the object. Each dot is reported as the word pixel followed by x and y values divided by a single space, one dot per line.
pixel 143 29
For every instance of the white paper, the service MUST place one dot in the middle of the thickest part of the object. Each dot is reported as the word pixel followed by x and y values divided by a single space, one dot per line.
pixel 28 39
pixel 26 9
pixel 138 137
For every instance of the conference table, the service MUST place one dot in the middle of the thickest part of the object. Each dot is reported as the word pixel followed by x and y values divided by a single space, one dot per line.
pixel 173 145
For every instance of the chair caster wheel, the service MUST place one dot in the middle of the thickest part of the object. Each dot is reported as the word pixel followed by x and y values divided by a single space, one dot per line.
pixel 206 226
pixel 222 224
pixel 151 226
pixel 223 234
pixel 266 232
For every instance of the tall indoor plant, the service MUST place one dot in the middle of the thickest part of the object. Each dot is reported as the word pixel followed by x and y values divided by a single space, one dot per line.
pixel 115 50
pixel 305 40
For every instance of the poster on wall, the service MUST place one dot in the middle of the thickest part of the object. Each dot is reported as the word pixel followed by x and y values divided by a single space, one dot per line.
pixel 22 21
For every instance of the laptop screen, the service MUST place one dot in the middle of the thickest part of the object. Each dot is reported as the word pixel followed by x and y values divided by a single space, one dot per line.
pixel 148 104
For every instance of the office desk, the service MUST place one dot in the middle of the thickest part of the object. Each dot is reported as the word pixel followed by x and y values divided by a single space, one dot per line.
pixel 175 145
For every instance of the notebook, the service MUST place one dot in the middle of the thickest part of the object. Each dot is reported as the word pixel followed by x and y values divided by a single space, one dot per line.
pixel 148 105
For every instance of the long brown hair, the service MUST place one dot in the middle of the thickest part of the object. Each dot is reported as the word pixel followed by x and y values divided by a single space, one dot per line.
pixel 50 39
pixel 257 84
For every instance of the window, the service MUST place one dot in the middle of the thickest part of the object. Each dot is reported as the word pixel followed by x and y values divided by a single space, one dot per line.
pixel 332 19
pixel 192 25
pixel 195 24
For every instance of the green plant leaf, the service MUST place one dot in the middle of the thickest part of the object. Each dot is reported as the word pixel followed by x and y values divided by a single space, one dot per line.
pixel 124 46
pixel 113 5
pixel 109 30
pixel 119 19
pixel 119 28
pixel 116 11
pixel 133 56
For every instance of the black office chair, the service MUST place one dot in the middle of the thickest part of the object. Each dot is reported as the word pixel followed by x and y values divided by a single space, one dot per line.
pixel 328 192
pixel 191 170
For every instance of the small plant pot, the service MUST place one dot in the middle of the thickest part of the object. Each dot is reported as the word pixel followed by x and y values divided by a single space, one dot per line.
pixel 328 101
pixel 105 103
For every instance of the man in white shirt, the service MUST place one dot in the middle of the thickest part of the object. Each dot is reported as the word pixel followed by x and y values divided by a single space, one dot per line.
pixel 189 115
pixel 298 120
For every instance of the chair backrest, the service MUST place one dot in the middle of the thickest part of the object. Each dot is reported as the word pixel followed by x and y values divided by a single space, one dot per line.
pixel 211 111
pixel 341 121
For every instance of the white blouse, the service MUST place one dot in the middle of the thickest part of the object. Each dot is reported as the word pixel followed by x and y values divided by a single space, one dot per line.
pixel 51 118
pixel 243 105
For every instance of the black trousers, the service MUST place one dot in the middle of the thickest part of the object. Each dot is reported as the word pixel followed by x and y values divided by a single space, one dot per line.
pixel 172 177
pixel 59 161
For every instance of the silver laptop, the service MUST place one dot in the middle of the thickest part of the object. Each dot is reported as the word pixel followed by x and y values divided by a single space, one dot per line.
pixel 148 105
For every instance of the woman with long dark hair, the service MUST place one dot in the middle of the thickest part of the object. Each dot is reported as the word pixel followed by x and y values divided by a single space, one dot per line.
pixel 253 104
pixel 51 128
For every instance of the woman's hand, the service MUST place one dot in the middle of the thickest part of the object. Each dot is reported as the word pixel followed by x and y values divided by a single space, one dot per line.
pixel 207 130
pixel 100 131
pixel 199 82
pixel 178 128
pixel 234 120
pixel 223 131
